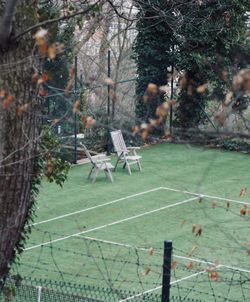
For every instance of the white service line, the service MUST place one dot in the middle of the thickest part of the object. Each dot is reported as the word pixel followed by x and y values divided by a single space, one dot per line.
pixel 96 207
pixel 174 256
pixel 110 224
pixel 159 287
pixel 141 294
pixel 115 243
pixel 212 263
pixel 204 195
pixel 236 268
pixel 190 276
pixel 194 260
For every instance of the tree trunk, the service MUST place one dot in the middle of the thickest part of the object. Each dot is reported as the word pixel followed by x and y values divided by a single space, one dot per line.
pixel 19 126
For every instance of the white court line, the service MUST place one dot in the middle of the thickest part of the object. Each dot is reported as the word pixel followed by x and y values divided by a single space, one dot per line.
pixel 115 243
pixel 212 263
pixel 236 268
pixel 204 195
pixel 110 224
pixel 174 256
pixel 159 287
pixel 135 195
pixel 190 276
pixel 141 294
pixel 96 207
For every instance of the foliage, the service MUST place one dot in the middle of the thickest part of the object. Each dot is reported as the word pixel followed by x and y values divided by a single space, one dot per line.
pixel 55 168
pixel 153 55
pixel 209 55
pixel 237 145
pixel 9 292
pixel 57 67
pixel 200 39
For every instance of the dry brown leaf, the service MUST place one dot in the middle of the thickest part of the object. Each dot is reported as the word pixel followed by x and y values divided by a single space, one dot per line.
pixel 76 106
pixel 243 211
pixel 228 98
pixel 189 265
pixel 151 251
pixel 147 271
pixel 202 88
pixel 193 250
pixel 152 88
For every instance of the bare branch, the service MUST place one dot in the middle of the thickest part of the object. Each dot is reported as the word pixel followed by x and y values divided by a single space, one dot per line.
pixel 51 21
pixel 121 15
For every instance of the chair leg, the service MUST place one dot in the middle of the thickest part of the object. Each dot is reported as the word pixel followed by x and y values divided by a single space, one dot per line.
pixel 139 165
pixel 90 172
pixel 116 163
pixel 109 174
pixel 128 167
pixel 95 175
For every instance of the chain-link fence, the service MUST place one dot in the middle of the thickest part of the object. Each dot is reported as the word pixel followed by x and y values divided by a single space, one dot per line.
pixel 38 290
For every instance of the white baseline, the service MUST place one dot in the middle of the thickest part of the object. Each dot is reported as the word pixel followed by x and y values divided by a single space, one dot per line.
pixel 110 224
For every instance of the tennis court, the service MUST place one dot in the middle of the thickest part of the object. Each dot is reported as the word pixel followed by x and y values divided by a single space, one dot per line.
pixel 112 235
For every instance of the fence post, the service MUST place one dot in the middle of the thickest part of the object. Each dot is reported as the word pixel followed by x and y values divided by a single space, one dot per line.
pixel 39 294
pixel 108 105
pixel 75 115
pixel 166 271
pixel 171 98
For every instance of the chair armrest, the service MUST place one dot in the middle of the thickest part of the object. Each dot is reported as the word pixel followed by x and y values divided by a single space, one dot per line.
pixel 100 156
pixel 133 148
pixel 101 160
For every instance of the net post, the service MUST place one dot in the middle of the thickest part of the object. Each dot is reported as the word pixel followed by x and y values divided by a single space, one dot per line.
pixel 166 271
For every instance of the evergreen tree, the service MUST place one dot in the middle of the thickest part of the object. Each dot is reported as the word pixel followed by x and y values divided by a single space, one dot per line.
pixel 211 32
pixel 153 54
pixel 201 39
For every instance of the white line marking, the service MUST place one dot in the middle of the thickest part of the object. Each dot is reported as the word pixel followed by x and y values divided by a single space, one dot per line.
pixel 115 243
pixel 135 195
pixel 111 224
pixel 204 195
pixel 190 276
pixel 174 256
pixel 96 207
pixel 212 263
pixel 159 287
pixel 236 268
pixel 141 294
pixel 194 260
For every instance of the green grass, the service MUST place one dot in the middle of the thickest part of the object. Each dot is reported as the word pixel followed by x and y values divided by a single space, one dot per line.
pixel 224 238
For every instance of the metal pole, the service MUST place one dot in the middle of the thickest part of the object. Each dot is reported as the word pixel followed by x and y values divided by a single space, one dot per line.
pixel 166 271
pixel 109 75
pixel 39 293
pixel 108 105
pixel 75 116
pixel 171 97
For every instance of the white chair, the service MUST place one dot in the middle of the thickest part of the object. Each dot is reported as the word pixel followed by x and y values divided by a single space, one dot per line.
pixel 126 155
pixel 99 163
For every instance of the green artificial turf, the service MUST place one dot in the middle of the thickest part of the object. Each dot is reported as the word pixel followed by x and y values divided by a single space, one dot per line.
pixel 137 211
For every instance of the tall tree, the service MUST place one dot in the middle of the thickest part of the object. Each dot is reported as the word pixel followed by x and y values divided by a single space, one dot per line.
pixel 199 39
pixel 210 32
pixel 153 53
pixel 20 111
pixel 18 132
